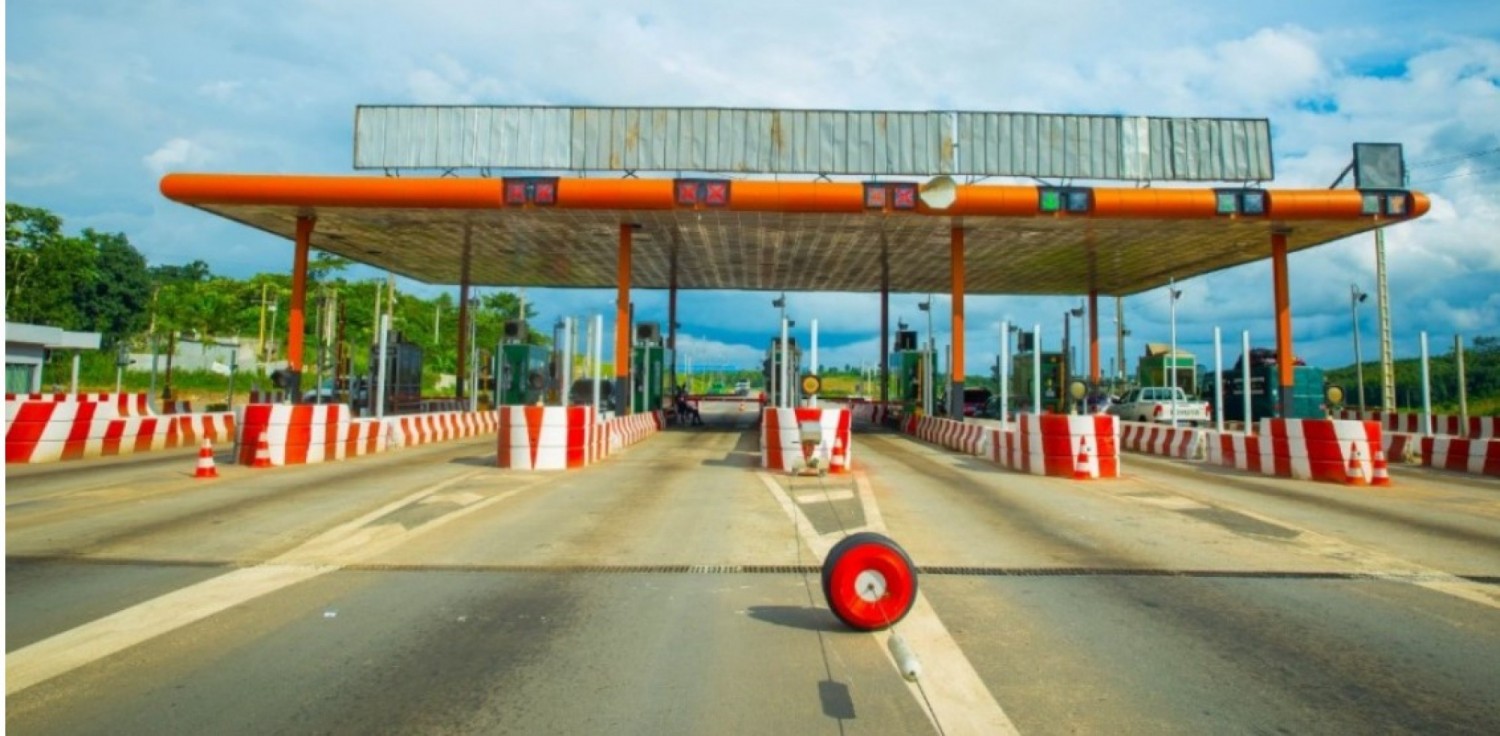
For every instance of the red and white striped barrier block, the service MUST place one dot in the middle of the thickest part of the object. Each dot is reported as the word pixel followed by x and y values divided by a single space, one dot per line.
pixel 364 437
pixel 967 438
pixel 873 412
pixel 1402 448
pixel 294 434
pixel 1305 449
pixel 1476 456
pixel 628 430
pixel 1155 439
pixel 1445 424
pixel 1049 444
pixel 1317 449
pixel 781 439
pixel 52 431
pixel 258 396
pixel 124 404
pixel 544 437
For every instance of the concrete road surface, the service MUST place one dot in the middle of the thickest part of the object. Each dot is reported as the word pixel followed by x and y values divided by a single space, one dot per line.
pixel 674 589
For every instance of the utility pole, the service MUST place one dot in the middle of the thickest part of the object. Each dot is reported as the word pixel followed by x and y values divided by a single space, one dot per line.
pixel 1383 305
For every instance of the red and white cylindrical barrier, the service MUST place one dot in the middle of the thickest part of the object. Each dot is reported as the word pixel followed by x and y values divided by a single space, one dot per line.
pixel 544 437
pixel 781 439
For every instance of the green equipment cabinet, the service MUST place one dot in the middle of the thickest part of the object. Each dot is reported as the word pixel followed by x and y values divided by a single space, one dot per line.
pixel 1053 378
pixel 525 374
pixel 648 372
pixel 907 366
pixel 1155 368
pixel 403 374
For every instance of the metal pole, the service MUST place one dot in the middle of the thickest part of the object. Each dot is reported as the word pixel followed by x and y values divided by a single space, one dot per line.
pixel 783 402
pixel 1383 307
pixel 74 383
pixel 154 350
pixel 1463 387
pixel 1245 378
pixel 1218 380
pixel 1004 377
pixel 598 358
pixel 1426 390
pixel 233 362
pixel 1172 357
pixel 1359 365
pixel 322 315
pixel 385 327
pixel 567 358
pixel 813 399
pixel 1036 369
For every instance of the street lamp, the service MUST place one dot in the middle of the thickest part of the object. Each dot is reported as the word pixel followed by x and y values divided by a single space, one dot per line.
pixel 1355 297
pixel 1076 313
pixel 1174 293
pixel 927 359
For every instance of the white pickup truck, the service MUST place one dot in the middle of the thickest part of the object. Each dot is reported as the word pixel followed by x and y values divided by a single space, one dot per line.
pixel 1155 404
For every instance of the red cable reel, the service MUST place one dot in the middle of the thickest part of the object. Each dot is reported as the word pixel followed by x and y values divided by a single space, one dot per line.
pixel 869 581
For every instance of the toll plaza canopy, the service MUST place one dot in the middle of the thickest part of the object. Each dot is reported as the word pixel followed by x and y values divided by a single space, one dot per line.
pixel 569 207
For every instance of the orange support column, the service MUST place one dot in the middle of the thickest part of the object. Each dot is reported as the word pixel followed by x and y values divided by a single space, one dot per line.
pixel 956 381
pixel 1093 337
pixel 622 323
pixel 295 312
pixel 1284 355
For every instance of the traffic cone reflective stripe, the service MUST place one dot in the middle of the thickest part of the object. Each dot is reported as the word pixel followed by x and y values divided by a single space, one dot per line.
pixel 206 467
pixel 1354 475
pixel 262 454
pixel 836 463
pixel 1379 474
pixel 1081 467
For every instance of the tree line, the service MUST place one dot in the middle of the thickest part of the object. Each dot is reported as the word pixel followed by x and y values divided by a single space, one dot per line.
pixel 99 282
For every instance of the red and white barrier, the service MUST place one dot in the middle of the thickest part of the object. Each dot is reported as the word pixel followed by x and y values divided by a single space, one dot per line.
pixel 1305 449
pixel 294 434
pixel 258 396
pixel 781 439
pixel 628 430
pixel 1156 439
pixel 873 412
pixel 123 404
pixel 1402 448
pixel 1049 444
pixel 1444 424
pixel 968 438
pixel 420 429
pixel 53 431
pixel 545 437
pixel 1477 456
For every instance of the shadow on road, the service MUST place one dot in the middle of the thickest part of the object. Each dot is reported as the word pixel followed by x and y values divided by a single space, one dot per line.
pixel 799 617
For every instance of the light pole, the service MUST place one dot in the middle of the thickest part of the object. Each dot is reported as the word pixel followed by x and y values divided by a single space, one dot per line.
pixel 1355 297
pixel 1174 293
pixel 1076 313
pixel 778 372
pixel 927 357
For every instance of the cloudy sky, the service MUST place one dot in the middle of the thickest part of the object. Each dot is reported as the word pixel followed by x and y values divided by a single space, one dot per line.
pixel 102 98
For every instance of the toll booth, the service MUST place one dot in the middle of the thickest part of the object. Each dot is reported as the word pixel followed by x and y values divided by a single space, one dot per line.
pixel 403 374
pixel 648 369
pixel 524 374
pixel 1053 378
pixel 771 369
pixel 1308 385
pixel 907 364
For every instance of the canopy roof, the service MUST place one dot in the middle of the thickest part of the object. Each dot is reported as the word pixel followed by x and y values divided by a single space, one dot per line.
pixel 768 235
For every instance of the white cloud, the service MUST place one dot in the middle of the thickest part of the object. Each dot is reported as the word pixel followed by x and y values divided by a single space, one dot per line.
pixel 178 153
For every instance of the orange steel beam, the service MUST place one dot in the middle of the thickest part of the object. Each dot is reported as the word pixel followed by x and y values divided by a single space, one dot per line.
pixel 745 196
pixel 956 367
pixel 622 323
pixel 1094 337
pixel 1284 355
pixel 295 318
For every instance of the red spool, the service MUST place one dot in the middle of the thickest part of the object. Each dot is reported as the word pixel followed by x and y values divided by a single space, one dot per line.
pixel 869 581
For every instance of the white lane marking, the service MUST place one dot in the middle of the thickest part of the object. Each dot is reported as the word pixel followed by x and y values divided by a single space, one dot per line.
pixel 1377 565
pixel 329 551
pixel 824 496
pixel 959 698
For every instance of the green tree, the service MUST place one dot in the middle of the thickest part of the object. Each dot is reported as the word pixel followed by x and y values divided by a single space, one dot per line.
pixel 116 302
pixel 48 275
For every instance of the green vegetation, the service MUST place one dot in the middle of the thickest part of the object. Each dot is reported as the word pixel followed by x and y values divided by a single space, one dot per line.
pixel 1481 374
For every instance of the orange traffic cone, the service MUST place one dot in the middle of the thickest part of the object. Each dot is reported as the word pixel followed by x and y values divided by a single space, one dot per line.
pixel 1081 467
pixel 1354 474
pixel 836 463
pixel 262 454
pixel 206 467
pixel 1380 475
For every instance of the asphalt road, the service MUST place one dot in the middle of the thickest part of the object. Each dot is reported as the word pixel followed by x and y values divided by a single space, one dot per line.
pixel 673 589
